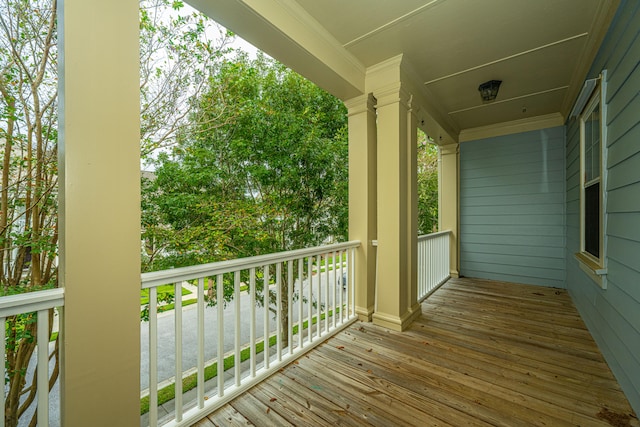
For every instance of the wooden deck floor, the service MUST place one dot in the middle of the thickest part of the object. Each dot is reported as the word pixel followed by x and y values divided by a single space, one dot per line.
pixel 483 353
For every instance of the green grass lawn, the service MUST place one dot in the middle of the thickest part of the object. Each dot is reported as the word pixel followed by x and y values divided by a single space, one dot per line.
pixel 323 265
pixel 342 258
pixel 164 289
pixel 211 371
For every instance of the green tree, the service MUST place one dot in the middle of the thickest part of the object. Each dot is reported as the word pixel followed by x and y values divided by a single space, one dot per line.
pixel 28 200
pixel 179 48
pixel 272 177
pixel 427 185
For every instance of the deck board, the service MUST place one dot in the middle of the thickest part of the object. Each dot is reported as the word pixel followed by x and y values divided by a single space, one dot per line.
pixel 482 353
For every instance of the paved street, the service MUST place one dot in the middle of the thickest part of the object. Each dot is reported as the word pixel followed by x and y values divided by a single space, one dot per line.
pixel 166 333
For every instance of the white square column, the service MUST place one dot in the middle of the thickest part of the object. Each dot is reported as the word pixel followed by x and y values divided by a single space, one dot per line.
pixel 396 302
pixel 449 200
pixel 363 198
pixel 99 214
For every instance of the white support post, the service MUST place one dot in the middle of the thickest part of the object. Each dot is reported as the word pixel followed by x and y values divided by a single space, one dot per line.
pixel 99 211
pixel 252 325
pixel 178 349
pixel 200 361
pixel 43 367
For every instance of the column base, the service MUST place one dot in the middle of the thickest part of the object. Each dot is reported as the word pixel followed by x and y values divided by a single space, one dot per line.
pixel 364 314
pixel 396 323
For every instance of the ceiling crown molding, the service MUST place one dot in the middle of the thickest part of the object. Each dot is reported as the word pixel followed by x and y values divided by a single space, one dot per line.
pixel 515 126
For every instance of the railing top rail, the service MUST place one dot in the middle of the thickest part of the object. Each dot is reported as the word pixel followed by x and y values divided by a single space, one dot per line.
pixel 11 305
pixel 433 235
pixel 174 275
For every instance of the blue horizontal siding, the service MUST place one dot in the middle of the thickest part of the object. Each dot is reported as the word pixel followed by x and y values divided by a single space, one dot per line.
pixel 613 315
pixel 546 209
pixel 482 273
pixel 512 201
pixel 525 218
pixel 522 250
pixel 625 199
pixel 514 179
pixel 541 243
pixel 620 152
pixel 623 173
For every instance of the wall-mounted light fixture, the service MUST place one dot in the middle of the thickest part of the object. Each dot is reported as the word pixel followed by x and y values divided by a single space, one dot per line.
pixel 489 90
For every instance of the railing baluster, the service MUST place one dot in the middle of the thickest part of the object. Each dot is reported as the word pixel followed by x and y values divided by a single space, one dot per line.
pixel 236 341
pixel 329 299
pixel 3 337
pixel 252 324
pixel 200 343
pixel 334 290
pixel 220 312
pixel 266 317
pixel 290 305
pixel 300 320
pixel 433 262
pixel 153 357
pixel 447 255
pixel 43 367
pixel 352 282
pixel 422 273
pixel 437 248
pixel 37 305
pixel 342 287
pixel 310 298
pixel 429 277
pixel 429 262
pixel 178 331
pixel 326 292
pixel 279 311
pixel 318 296
pixel 437 261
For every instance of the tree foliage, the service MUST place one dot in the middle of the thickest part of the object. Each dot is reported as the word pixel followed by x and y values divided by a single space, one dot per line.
pixel 179 48
pixel 427 185
pixel 28 200
pixel 271 177
pixel 262 170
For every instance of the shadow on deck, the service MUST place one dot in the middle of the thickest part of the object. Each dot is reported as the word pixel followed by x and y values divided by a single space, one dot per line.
pixel 483 353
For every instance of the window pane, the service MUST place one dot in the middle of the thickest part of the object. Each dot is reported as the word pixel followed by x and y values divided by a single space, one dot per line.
pixel 592 219
pixel 588 163
pixel 592 144
pixel 595 142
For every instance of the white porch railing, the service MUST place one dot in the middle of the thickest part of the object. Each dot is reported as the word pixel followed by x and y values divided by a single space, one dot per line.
pixel 306 286
pixel 39 302
pixel 433 262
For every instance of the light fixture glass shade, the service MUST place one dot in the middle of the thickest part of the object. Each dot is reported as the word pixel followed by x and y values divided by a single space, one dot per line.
pixel 489 90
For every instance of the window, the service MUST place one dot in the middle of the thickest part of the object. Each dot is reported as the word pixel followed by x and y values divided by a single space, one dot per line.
pixel 591 135
pixel 592 187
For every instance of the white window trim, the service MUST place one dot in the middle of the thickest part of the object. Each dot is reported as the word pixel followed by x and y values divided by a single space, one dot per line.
pixel 596 268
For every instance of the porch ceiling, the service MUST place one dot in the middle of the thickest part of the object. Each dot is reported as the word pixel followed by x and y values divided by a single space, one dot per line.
pixel 541 50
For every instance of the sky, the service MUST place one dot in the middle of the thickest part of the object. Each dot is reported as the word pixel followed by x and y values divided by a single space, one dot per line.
pixel 238 43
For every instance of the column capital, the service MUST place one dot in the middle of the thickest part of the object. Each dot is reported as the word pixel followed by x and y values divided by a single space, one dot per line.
pixel 360 104
pixel 449 149
pixel 393 93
